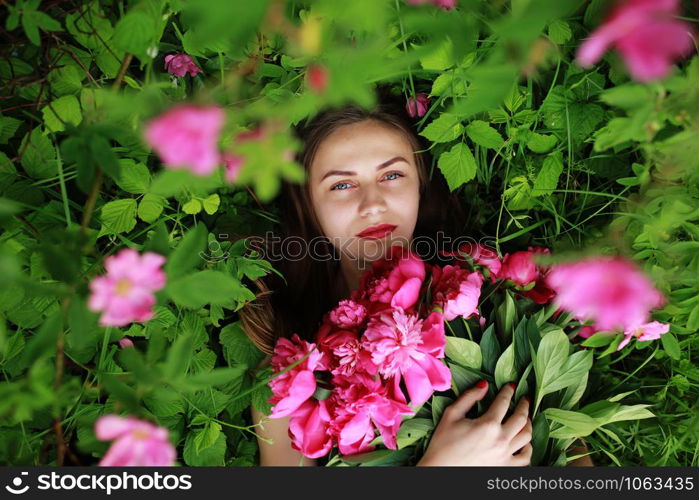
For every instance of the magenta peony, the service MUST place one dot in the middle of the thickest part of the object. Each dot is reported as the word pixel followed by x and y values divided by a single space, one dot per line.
pixel 180 64
pixel 309 429
pixel 456 291
pixel 348 314
pixel 417 106
pixel 125 293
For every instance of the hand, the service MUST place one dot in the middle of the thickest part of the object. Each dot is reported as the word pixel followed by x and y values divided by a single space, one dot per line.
pixel 485 440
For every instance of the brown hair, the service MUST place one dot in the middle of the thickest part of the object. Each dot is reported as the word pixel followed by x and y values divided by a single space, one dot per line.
pixel 297 304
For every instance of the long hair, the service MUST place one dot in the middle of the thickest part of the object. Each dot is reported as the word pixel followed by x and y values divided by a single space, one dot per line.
pixel 297 303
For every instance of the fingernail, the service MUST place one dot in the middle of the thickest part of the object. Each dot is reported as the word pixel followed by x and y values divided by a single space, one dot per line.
pixel 512 384
pixel 482 384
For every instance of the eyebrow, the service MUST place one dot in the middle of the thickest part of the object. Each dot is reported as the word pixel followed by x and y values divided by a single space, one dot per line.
pixel 379 167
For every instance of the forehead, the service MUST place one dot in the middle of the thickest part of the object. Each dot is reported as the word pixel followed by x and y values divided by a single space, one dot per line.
pixel 360 145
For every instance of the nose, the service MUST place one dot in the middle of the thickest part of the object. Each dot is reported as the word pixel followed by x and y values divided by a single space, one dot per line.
pixel 372 203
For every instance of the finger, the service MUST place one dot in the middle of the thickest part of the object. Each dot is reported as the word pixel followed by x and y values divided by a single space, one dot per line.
pixel 522 438
pixel 498 409
pixel 458 409
pixel 518 419
pixel 524 457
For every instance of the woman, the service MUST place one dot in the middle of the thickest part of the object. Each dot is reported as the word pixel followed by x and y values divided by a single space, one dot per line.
pixel 367 188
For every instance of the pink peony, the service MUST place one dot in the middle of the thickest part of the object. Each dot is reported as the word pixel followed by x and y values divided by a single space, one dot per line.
pixel 610 291
pixel 417 106
pixel 348 314
pixel 521 268
pixel 180 64
pixel 294 387
pixel 646 35
pixel 456 291
pixel 125 293
pixel 363 405
pixel 309 429
pixel 647 331
pixel 344 351
pixel 444 4
pixel 136 442
pixel 403 345
pixel 394 281
pixel 186 136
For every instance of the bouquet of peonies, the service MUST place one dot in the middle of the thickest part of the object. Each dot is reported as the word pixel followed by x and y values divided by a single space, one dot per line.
pixel 413 336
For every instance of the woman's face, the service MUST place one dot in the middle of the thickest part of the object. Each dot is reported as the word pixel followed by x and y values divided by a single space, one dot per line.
pixel 364 175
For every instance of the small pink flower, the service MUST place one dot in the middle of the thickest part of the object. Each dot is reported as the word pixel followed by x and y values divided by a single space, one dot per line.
pixel 180 64
pixel 519 267
pixel 309 429
pixel 403 345
pixel 645 33
pixel 232 163
pixel 418 105
pixel 456 291
pixel 444 4
pixel 186 136
pixel 317 78
pixel 587 331
pixel 125 293
pixel 125 342
pixel 610 291
pixel 294 387
pixel 348 314
pixel 136 442
pixel 645 332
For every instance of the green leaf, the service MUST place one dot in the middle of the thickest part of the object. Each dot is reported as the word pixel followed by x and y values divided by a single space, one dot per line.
pixel 413 430
pixel 150 207
pixel 505 370
pixel 118 216
pixel 464 351
pixel 445 128
pixel 598 340
pixel 238 348
pixel 61 112
pixel 213 455
pixel 547 180
pixel 540 143
pixel 573 393
pixel 574 424
pixel 483 134
pixel 189 252
pixel 211 204
pixel 134 176
pixel 628 96
pixel 39 156
pixel 8 127
pixel 178 357
pixel 671 345
pixel 550 358
pixel 559 32
pixel 577 365
pixel 164 402
pixel 458 165
pixel 192 207
pixel 490 349
pixel 206 437
pixel 441 58
pixel 207 287
pixel 134 32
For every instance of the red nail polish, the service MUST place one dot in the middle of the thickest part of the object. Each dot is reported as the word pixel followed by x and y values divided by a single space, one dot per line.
pixel 512 384
pixel 482 384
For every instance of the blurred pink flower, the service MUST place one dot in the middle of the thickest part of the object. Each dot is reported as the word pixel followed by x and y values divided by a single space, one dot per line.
pixel 232 163
pixel 136 442
pixel 348 314
pixel 646 35
pixel 186 136
pixel 125 342
pixel 317 78
pixel 125 293
pixel 417 106
pixel 294 387
pixel 403 345
pixel 444 4
pixel 647 331
pixel 456 291
pixel 610 291
pixel 180 64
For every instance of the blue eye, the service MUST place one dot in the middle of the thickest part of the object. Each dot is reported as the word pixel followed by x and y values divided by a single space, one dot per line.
pixel 339 184
pixel 395 173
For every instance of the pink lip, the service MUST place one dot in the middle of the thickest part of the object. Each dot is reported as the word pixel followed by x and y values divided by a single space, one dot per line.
pixel 376 232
